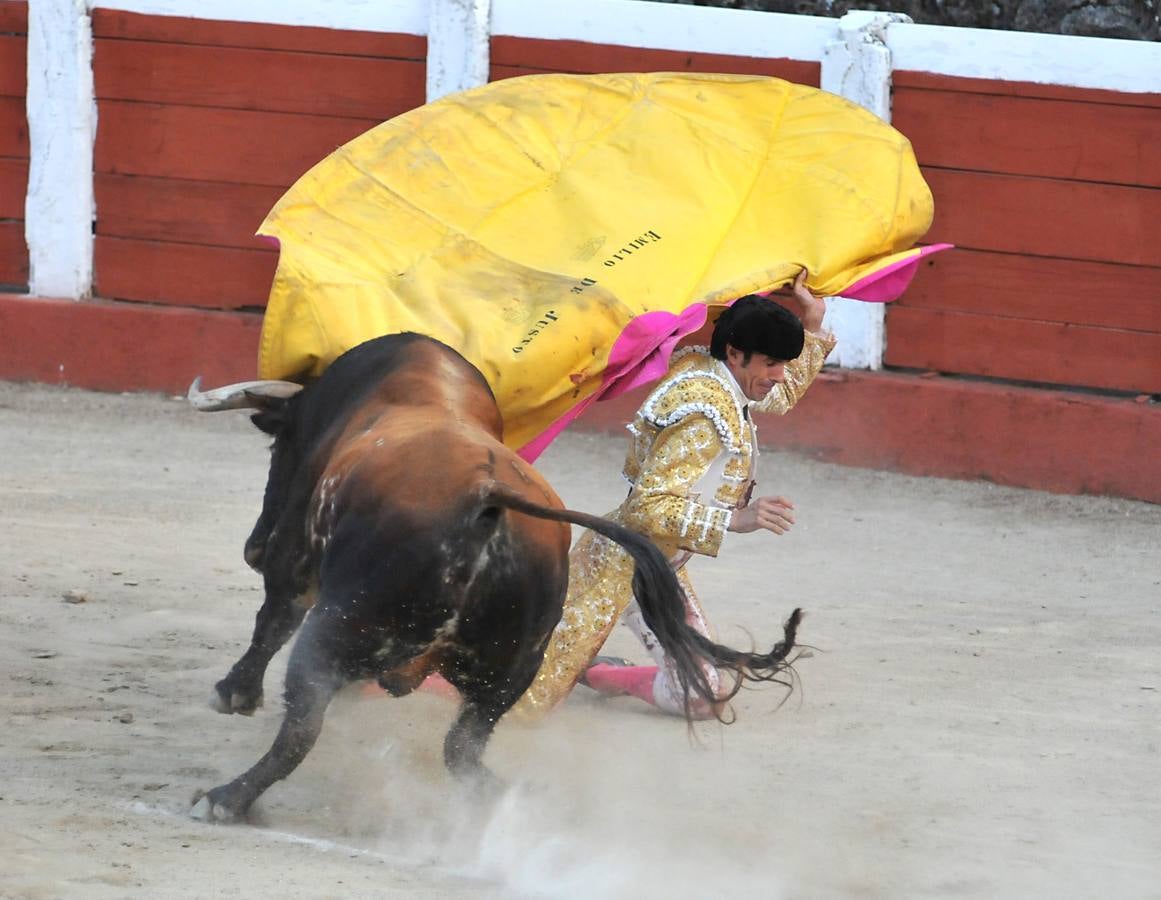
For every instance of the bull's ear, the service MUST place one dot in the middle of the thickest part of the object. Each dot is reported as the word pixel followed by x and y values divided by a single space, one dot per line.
pixel 271 421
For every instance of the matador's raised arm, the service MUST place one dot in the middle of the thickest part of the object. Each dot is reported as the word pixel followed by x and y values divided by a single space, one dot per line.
pixel 799 375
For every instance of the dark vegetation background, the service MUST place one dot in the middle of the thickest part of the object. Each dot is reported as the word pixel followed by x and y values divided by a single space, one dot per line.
pixel 1132 19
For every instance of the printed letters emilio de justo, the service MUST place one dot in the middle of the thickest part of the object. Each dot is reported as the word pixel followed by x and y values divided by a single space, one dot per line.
pixel 619 256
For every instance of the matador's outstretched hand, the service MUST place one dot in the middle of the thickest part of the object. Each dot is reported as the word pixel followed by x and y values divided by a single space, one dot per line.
pixel 772 513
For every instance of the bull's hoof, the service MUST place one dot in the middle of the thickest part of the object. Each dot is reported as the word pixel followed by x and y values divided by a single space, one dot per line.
pixel 225 699
pixel 214 806
pixel 481 783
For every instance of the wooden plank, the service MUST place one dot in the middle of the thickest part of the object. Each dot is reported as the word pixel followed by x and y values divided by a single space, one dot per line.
pixel 182 274
pixel 1044 439
pixel 111 23
pixel 1028 136
pixel 931 81
pixel 513 56
pixel 280 81
pixel 1034 287
pixel 125 346
pixel 13 258
pixel 13 128
pixel 192 212
pixel 1046 217
pixel 1024 350
pixel 13 65
pixel 1039 438
pixel 13 17
pixel 199 143
pixel 13 187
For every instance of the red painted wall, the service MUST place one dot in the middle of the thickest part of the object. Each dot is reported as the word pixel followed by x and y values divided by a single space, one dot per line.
pixel 112 346
pixel 201 127
pixel 1052 196
pixel 511 56
pixel 1030 437
pixel 13 145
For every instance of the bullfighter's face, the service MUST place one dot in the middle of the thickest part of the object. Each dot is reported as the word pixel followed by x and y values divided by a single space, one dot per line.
pixel 756 376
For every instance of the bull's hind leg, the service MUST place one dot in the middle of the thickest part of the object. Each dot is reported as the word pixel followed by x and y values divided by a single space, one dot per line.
pixel 488 695
pixel 281 613
pixel 463 748
pixel 314 674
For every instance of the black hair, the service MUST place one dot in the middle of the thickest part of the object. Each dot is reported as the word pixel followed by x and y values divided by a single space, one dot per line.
pixel 755 324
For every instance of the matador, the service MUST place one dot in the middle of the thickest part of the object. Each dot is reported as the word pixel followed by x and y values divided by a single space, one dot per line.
pixel 690 466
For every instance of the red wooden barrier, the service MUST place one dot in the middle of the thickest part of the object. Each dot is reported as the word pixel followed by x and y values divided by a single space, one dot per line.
pixel 1050 193
pixel 201 127
pixel 1052 196
pixel 13 145
pixel 120 346
pixel 512 56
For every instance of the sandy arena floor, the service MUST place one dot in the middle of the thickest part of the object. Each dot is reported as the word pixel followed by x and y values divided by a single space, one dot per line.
pixel 982 718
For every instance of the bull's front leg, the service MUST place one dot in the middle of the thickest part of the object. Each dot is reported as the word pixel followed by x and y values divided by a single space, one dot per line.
pixel 316 671
pixel 281 614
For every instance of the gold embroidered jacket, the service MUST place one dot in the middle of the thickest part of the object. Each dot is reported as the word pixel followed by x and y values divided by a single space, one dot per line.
pixel 690 464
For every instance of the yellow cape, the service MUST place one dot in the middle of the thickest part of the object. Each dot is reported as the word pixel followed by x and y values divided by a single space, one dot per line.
pixel 563 231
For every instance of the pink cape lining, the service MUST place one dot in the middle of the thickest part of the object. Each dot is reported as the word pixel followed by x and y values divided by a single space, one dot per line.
pixel 889 282
pixel 639 356
pixel 641 352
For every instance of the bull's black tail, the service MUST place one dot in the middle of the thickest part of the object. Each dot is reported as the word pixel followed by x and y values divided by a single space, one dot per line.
pixel 661 600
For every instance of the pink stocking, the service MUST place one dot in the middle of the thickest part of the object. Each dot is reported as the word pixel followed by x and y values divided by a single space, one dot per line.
pixel 616 681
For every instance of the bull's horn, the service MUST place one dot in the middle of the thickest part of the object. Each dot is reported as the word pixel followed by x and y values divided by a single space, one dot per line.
pixel 244 395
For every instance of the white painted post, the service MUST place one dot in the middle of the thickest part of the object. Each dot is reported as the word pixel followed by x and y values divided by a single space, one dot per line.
pixel 858 66
pixel 458 46
pixel 62 124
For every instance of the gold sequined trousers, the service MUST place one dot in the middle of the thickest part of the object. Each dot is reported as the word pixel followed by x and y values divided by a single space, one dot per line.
pixel 600 588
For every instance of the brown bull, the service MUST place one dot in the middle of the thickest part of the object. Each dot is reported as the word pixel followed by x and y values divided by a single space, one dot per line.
pixel 418 543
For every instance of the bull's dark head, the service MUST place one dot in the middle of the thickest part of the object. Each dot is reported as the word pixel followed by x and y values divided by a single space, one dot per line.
pixel 272 405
